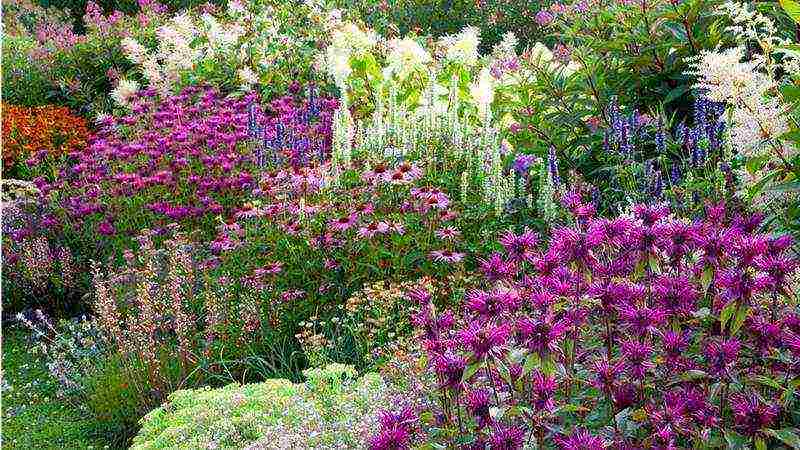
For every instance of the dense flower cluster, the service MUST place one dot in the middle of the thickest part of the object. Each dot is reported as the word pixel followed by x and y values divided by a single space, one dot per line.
pixel 684 165
pixel 38 133
pixel 186 158
pixel 664 327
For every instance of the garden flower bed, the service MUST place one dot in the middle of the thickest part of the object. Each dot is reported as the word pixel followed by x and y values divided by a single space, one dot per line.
pixel 269 224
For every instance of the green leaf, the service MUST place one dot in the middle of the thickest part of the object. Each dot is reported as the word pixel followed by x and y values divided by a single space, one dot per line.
pixel 741 316
pixel 706 278
pixel 785 187
pixel 531 362
pixel 791 93
pixel 735 440
pixel 653 263
pixel 787 435
pixel 760 444
pixel 726 314
pixel 792 8
pixel 470 370
pixel 766 381
pixel 691 375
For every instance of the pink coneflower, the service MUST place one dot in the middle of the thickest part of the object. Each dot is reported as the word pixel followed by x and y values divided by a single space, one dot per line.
pixel 448 233
pixel 288 296
pixel 383 227
pixel 398 228
pixel 273 268
pixel 292 228
pixel 369 231
pixel 446 256
pixel 438 200
pixel 343 223
pixel 364 209
pixel 406 173
pixel 376 174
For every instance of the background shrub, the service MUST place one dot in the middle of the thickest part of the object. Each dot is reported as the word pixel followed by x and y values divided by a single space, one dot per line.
pixel 494 18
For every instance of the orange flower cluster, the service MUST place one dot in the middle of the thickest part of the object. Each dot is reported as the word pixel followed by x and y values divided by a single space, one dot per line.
pixel 27 130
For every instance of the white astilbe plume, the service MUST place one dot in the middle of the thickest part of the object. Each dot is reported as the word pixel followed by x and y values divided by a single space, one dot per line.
pixel 482 92
pixel 756 120
pixel 463 47
pixel 750 26
pixel 406 56
pixel 124 91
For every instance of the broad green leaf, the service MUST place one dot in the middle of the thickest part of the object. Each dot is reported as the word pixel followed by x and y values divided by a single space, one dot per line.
pixel 735 440
pixel 741 316
pixel 706 278
pixel 726 314
pixel 471 370
pixel 788 436
pixel 531 362
pixel 792 8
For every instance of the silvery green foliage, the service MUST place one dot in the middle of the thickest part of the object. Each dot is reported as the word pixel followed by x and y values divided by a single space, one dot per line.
pixel 333 409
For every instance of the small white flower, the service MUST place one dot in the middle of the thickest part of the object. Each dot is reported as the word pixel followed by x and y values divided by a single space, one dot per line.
pixel 406 56
pixel 463 47
pixel 124 91
pixel 133 50
pixel 482 92
pixel 247 77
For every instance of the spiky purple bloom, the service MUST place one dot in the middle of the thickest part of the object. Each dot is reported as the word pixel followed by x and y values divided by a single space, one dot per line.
pixel 675 295
pixel 675 344
pixel 478 405
pixel 450 368
pixel 751 414
pixel 641 320
pixel 495 267
pixel 541 335
pixel 506 437
pixel 491 303
pixel 519 247
pixel 396 429
pixel 721 355
pixel 637 357
pixel 481 339
pixel 580 439
pixel 542 391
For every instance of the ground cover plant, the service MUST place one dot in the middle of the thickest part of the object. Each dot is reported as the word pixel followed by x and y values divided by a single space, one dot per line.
pixel 394 225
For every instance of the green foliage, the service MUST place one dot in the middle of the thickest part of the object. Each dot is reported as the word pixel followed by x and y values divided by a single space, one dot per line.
pixel 332 403
pixel 441 17
pixel 47 62
pixel 35 416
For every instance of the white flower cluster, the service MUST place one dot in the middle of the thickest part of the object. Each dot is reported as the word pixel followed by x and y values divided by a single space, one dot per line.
pixel 405 57
pixel 462 48
pixel 757 119
pixel 347 40
pixel 243 40
pixel 750 26
pixel 163 67
pixel 482 92
pixel 124 91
